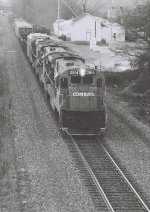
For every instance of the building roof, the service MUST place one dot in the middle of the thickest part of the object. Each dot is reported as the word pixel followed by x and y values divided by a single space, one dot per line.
pixel 78 18
pixel 63 23
pixel 104 22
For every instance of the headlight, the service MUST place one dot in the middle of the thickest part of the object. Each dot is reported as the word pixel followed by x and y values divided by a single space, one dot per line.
pixel 82 72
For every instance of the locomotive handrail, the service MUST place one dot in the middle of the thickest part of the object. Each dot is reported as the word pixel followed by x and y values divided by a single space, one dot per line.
pixel 50 53
pixel 66 55
pixel 62 96
pixel 33 54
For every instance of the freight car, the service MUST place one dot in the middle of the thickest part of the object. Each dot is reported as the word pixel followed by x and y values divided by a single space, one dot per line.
pixel 76 93
pixel 40 29
pixel 22 30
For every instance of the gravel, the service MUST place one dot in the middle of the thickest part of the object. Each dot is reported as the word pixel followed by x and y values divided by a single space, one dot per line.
pixel 46 175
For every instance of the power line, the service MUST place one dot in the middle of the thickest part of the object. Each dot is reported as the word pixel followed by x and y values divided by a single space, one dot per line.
pixel 75 7
pixel 70 8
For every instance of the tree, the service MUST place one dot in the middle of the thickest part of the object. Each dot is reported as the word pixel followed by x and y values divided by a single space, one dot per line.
pixel 137 22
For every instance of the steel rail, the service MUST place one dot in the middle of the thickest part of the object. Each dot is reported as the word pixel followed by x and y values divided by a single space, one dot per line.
pixel 93 177
pixel 124 177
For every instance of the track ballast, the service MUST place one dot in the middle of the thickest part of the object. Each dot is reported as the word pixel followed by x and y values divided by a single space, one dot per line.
pixel 117 192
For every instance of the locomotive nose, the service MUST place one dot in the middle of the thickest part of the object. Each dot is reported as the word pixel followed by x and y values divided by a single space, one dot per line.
pixel 82 99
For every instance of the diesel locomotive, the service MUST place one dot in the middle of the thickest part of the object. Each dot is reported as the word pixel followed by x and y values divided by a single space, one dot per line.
pixel 75 90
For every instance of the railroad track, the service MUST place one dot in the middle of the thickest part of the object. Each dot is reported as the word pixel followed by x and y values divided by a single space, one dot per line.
pixel 109 183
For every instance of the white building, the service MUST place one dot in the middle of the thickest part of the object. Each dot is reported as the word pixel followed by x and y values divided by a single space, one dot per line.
pixel 87 27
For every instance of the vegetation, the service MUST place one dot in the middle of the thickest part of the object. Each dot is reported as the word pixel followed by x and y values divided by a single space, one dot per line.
pixel 137 21
pixel 120 79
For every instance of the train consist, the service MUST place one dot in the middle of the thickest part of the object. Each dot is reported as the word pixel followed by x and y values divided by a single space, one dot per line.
pixel 75 90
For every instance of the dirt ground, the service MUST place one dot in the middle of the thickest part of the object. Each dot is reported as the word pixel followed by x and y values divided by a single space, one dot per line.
pixel 103 57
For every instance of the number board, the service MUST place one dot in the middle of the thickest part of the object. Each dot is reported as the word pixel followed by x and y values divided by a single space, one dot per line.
pixel 90 72
pixel 76 72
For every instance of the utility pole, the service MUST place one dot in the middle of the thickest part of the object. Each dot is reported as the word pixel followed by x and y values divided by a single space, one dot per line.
pixel 121 15
pixel 84 5
pixel 58 15
pixel 110 41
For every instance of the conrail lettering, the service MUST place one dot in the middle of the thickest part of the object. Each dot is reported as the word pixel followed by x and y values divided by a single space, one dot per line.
pixel 83 94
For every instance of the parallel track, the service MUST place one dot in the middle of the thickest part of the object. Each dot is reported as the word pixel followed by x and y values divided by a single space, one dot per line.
pixel 117 192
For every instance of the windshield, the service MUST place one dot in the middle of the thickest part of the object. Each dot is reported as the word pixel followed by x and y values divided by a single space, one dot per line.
pixel 87 80
pixel 75 80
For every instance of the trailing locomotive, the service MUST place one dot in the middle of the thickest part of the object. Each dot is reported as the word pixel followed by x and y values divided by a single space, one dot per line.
pixel 35 42
pixel 75 91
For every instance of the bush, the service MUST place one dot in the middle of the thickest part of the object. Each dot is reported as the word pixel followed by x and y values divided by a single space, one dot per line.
pixel 62 37
pixel 120 78
pixel 142 85
pixel 102 42
pixel 82 42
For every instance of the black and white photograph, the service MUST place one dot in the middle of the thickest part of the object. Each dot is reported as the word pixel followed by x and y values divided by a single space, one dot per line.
pixel 74 106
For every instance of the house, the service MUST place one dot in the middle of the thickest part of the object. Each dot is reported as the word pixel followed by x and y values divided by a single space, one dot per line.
pixel 86 27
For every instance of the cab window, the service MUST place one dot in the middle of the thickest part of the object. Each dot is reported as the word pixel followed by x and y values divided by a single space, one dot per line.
pixel 75 80
pixel 57 82
pixel 88 80
pixel 99 82
pixel 64 83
